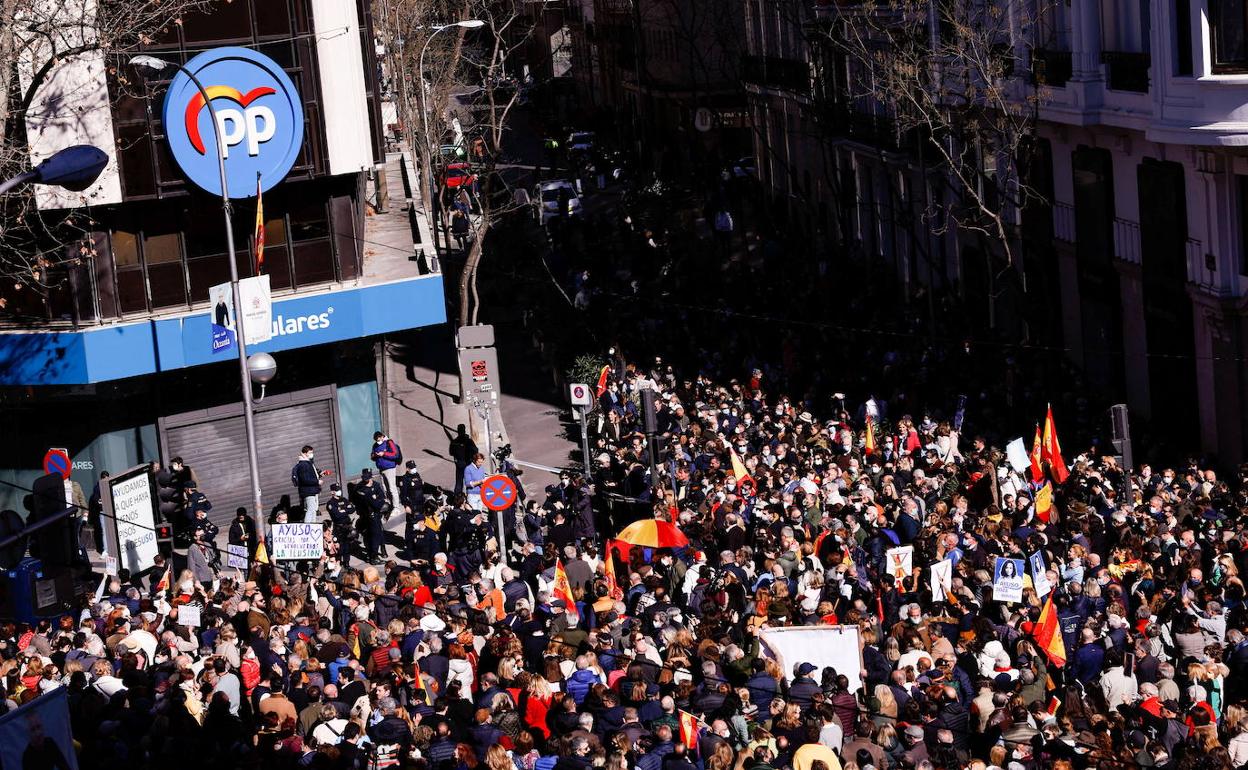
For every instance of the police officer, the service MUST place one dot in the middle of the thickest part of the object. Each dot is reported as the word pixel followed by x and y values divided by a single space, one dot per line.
pixel 412 497
pixel 196 501
pixel 469 543
pixel 422 542
pixel 339 510
pixel 203 528
pixel 373 499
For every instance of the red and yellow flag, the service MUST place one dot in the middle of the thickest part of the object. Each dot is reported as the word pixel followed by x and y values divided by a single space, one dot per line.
pixel 602 381
pixel 259 227
pixel 613 583
pixel 1048 633
pixel 562 589
pixel 1051 450
pixel 166 580
pixel 1044 503
pixel 870 442
pixel 1037 458
pixel 689 730
pixel 418 684
pixel 741 474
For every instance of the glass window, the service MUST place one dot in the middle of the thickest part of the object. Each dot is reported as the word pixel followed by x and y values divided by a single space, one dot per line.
pixel 274 232
pixel 228 20
pixel 131 291
pixel 135 149
pixel 308 221
pixel 205 233
pixel 168 284
pixel 277 267
pixel 272 17
pixel 282 53
pixel 1229 21
pixel 314 263
pixel 125 249
pixel 161 248
pixel 205 273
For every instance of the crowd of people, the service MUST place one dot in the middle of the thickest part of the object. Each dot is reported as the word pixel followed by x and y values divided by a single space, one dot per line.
pixel 452 656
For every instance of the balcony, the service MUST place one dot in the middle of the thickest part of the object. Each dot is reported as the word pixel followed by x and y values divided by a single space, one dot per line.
pixel 1051 68
pixel 776 72
pixel 1127 71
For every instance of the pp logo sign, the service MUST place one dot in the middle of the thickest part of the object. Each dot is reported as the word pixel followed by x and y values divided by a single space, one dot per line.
pixel 258 116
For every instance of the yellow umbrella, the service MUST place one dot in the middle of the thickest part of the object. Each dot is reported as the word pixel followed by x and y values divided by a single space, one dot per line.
pixel 653 533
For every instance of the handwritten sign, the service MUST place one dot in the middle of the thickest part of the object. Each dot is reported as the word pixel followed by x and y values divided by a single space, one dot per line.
pixel 188 615
pixel 236 556
pixel 297 541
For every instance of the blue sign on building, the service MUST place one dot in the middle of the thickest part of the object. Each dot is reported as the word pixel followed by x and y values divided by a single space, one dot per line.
pixel 162 344
pixel 259 113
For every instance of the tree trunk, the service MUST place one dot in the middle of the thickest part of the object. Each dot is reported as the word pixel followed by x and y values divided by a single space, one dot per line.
pixel 468 278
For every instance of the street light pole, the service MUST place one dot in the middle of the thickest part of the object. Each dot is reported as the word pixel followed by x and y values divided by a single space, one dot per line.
pixel 240 342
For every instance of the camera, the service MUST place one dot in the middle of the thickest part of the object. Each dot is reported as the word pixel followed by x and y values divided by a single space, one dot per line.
pixel 502 453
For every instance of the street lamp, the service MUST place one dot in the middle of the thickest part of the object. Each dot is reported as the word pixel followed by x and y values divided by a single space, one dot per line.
pixel 159 65
pixel 74 168
pixel 426 173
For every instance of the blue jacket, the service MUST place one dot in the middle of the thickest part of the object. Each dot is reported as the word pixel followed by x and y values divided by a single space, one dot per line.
pixel 306 478
pixel 1086 665
pixel 386 454
pixel 579 684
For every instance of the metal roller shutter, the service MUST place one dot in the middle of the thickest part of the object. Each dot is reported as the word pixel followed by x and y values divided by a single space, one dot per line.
pixel 213 444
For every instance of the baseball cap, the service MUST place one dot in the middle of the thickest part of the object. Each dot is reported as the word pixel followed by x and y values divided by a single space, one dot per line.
pixel 805 669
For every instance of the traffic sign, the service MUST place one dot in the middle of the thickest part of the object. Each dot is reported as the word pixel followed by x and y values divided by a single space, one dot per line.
pixel 498 493
pixel 579 394
pixel 258 112
pixel 57 461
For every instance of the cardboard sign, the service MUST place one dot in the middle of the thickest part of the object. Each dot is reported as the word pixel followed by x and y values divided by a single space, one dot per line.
pixel 236 556
pixel 900 561
pixel 941 579
pixel 189 615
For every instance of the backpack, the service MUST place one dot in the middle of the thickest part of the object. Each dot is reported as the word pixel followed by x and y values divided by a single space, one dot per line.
pixel 398 453
pixel 294 475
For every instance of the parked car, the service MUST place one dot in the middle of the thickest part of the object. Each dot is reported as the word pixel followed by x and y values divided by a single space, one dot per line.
pixel 547 200
pixel 459 175
pixel 744 168
pixel 581 141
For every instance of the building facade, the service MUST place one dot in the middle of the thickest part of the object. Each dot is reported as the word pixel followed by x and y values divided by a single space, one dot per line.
pixel 1135 262
pixel 116 364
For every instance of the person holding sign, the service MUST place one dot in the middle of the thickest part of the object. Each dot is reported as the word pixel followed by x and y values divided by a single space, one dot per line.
pixel 1007 580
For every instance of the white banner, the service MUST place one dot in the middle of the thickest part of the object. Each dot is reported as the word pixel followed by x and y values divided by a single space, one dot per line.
pixel 821 646
pixel 1007 580
pixel 135 519
pixel 1016 453
pixel 257 312
pixel 900 561
pixel 941 579
pixel 297 541
pixel 236 556
pixel 189 615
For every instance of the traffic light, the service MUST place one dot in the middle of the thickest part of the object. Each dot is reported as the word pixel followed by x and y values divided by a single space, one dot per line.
pixel 170 494
pixel 164 539
pixel 10 524
pixel 54 544
pixel 649 417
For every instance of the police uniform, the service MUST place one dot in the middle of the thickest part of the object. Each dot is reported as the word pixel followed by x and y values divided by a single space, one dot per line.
pixel 469 542
pixel 412 496
pixel 339 510
pixel 374 498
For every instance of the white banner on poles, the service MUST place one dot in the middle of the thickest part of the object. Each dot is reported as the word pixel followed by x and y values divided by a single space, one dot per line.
pixel 821 646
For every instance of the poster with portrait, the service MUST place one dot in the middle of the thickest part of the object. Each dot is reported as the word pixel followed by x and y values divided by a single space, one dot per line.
pixel 1039 575
pixel 900 561
pixel 1007 580
pixel 38 734
pixel 221 310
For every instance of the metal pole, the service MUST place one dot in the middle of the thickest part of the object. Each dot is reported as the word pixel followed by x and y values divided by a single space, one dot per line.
pixel 585 441
pixel 426 172
pixel 240 343
pixel 19 180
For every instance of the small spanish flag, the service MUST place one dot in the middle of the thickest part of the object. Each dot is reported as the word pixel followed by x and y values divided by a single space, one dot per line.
pixel 166 580
pixel 562 589
pixel 689 730
pixel 262 554
pixel 418 684
pixel 870 441
pixel 603 376
pixel 613 584
pixel 259 227
pixel 1036 457
pixel 1048 633
pixel 1044 503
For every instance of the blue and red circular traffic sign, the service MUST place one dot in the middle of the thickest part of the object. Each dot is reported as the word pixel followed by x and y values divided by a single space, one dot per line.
pixel 498 493
pixel 57 461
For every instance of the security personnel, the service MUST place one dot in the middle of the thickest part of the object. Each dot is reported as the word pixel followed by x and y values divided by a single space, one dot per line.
pixel 422 542
pixel 412 497
pixel 203 528
pixel 469 543
pixel 339 510
pixel 372 500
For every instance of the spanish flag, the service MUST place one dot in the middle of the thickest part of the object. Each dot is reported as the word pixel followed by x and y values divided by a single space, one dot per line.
pixel 739 471
pixel 689 730
pixel 418 684
pixel 1044 503
pixel 1051 450
pixel 259 227
pixel 1048 633
pixel 562 589
pixel 870 442
pixel 166 580
pixel 613 584
pixel 1037 458
pixel 602 381
pixel 262 554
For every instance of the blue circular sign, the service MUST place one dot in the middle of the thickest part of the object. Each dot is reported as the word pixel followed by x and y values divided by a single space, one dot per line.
pixel 259 114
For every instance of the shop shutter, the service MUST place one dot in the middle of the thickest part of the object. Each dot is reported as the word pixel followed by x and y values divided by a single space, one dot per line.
pixel 213 444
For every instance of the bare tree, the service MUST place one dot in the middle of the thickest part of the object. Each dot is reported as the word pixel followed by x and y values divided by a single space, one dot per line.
pixel 945 75
pixel 38 40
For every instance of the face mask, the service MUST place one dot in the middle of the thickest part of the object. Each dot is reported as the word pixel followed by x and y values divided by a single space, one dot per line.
pixel 310 455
